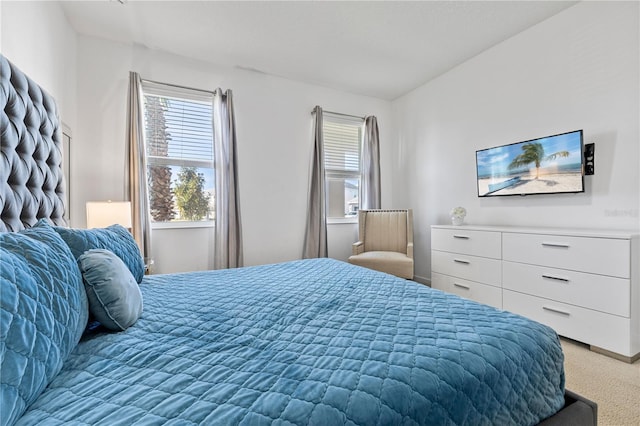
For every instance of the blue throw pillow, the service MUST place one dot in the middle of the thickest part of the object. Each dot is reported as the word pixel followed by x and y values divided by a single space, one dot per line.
pixel 43 312
pixel 114 296
pixel 114 238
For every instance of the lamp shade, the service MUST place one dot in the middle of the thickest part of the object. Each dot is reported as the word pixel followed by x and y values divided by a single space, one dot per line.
pixel 101 214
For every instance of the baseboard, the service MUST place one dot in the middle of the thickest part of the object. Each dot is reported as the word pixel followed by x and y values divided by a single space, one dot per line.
pixel 627 359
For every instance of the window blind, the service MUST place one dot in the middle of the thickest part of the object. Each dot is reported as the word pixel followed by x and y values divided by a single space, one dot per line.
pixel 179 130
pixel 184 134
pixel 342 139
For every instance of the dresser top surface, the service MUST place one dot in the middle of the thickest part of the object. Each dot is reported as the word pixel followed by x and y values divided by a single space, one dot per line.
pixel 573 232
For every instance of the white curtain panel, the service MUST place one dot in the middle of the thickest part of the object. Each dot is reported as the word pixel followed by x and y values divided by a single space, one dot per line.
pixel 137 168
pixel 315 237
pixel 370 165
pixel 228 229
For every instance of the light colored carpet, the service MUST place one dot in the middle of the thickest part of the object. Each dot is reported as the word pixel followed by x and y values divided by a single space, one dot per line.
pixel 614 385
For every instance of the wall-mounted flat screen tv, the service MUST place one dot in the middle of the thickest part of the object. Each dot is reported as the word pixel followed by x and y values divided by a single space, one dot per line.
pixel 548 165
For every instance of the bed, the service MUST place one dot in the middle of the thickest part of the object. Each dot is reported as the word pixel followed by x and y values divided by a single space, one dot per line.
pixel 303 342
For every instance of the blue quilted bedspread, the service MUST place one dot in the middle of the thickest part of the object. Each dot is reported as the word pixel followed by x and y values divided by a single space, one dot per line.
pixel 307 342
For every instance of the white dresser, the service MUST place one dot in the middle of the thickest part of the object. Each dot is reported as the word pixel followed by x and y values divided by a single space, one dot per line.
pixel 583 283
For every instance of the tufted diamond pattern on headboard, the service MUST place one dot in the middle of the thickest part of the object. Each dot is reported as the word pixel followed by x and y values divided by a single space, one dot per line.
pixel 31 176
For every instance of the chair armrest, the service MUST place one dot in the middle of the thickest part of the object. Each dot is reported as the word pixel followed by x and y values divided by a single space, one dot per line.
pixel 410 250
pixel 357 248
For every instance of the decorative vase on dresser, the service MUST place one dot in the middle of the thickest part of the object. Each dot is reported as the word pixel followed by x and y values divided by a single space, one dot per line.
pixel 583 283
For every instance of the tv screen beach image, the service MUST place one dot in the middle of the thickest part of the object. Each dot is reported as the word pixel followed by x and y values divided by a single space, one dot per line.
pixel 547 165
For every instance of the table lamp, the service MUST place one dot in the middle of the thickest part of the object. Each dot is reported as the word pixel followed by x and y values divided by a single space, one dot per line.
pixel 101 214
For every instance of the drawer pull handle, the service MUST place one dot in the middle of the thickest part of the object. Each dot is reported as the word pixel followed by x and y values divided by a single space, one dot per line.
pixel 556 310
pixel 551 277
pixel 466 287
pixel 461 237
pixel 464 262
pixel 558 245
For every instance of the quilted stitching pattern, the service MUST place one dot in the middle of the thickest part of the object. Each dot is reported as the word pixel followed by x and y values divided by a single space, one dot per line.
pixel 114 238
pixel 308 342
pixel 31 177
pixel 43 312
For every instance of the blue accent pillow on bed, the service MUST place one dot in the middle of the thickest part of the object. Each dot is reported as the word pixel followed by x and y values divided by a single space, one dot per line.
pixel 114 296
pixel 43 312
pixel 114 238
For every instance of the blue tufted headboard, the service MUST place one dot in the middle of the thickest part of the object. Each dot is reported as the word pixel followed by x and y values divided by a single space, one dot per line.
pixel 31 176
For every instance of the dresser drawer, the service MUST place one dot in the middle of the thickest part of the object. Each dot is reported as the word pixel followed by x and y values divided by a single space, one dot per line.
pixel 473 268
pixel 482 293
pixel 606 331
pixel 605 256
pixel 575 288
pixel 474 243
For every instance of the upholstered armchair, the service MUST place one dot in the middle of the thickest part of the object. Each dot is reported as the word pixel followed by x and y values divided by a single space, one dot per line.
pixel 385 242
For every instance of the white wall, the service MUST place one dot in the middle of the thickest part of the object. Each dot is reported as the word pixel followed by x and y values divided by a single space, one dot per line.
pixel 576 70
pixel 273 119
pixel 88 77
pixel 37 38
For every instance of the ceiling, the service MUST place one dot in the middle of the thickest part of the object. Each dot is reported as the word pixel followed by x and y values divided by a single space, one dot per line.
pixel 382 49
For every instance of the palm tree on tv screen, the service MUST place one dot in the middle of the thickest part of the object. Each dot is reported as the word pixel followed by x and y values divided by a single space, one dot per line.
pixel 534 153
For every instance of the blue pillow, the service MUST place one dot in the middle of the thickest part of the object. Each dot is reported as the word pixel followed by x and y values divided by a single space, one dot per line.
pixel 43 312
pixel 114 238
pixel 114 296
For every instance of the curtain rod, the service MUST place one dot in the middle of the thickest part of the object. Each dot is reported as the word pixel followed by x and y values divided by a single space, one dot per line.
pixel 178 86
pixel 339 113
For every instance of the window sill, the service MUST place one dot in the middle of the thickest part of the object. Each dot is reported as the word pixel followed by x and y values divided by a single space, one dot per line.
pixel 182 225
pixel 341 220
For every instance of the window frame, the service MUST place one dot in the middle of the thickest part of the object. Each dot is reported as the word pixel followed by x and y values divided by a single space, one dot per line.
pixel 180 93
pixel 337 118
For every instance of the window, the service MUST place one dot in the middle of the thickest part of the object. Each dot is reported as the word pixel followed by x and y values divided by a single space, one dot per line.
pixel 179 144
pixel 342 149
